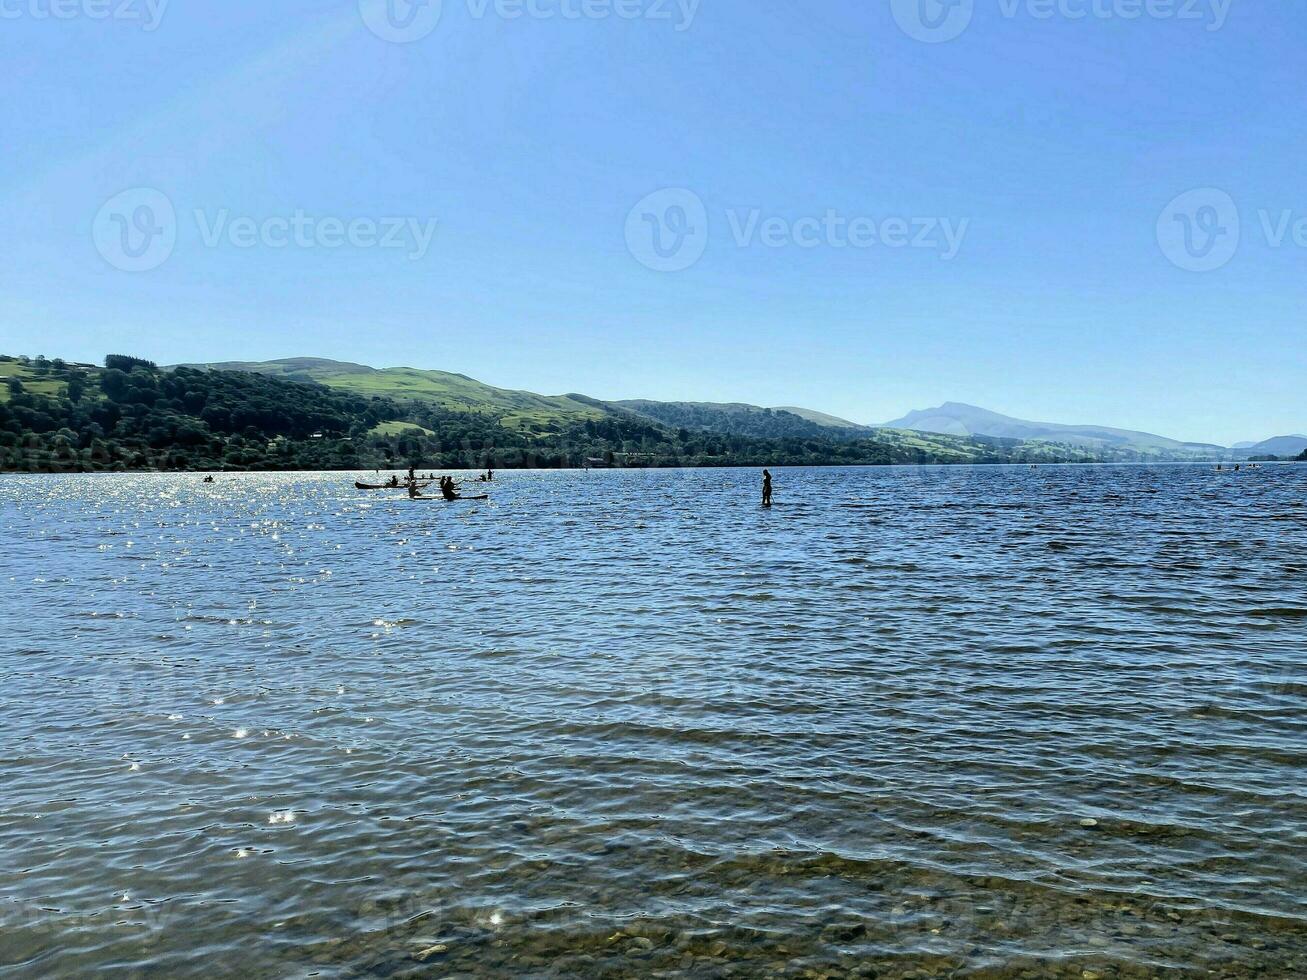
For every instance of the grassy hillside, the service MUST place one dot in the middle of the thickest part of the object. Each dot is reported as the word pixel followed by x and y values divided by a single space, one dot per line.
pixel 30 377
pixel 304 414
pixel 398 429
pixel 953 433
pixel 736 419
pixel 822 419
pixel 131 415
pixel 731 419
pixel 453 392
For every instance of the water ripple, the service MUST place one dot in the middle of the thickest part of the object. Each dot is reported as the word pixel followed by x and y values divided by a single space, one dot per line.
pixel 931 722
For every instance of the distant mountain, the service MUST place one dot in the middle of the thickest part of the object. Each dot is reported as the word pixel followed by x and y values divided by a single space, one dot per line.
pixel 539 415
pixel 957 419
pixel 741 421
pixel 307 413
pixel 1287 446
pixel 952 431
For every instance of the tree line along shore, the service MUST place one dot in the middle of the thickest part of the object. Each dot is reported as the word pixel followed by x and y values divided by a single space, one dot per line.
pixel 128 414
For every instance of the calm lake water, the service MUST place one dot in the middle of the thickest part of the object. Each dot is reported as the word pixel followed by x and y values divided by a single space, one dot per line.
pixel 941 722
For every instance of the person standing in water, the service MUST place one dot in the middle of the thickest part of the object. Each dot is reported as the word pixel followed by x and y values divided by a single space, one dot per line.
pixel 766 488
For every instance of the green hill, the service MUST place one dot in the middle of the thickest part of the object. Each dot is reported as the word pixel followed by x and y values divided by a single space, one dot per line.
pixel 751 421
pixel 822 419
pixel 39 380
pixel 737 419
pixel 452 392
pixel 308 414
pixel 976 437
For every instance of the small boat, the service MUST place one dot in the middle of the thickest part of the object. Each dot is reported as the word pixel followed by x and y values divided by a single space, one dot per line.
pixel 484 496
pixel 386 486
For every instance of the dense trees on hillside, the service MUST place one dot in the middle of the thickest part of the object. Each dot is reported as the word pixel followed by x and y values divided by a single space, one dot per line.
pixel 743 420
pixel 131 415
pixel 124 363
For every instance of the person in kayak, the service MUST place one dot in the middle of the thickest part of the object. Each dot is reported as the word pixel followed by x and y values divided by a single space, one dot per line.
pixel 447 488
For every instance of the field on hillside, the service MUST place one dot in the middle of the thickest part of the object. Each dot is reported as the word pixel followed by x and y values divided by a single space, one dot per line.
pixel 31 381
pixel 454 392
pixel 399 428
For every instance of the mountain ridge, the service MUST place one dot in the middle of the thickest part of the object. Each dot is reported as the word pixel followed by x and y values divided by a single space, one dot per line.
pixel 131 415
pixel 317 413
pixel 961 419
pixel 534 412
pixel 1277 446
pixel 454 392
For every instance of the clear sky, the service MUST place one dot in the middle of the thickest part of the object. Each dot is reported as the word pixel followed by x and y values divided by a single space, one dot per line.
pixel 1049 137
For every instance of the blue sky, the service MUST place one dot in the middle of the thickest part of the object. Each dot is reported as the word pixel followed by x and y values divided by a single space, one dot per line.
pixel 1051 145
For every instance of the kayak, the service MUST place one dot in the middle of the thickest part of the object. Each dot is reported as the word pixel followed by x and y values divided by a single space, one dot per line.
pixel 484 496
pixel 386 486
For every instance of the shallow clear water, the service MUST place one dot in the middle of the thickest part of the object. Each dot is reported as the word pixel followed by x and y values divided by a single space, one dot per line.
pixel 629 723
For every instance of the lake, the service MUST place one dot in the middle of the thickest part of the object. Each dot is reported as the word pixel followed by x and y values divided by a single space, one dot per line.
pixel 910 722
